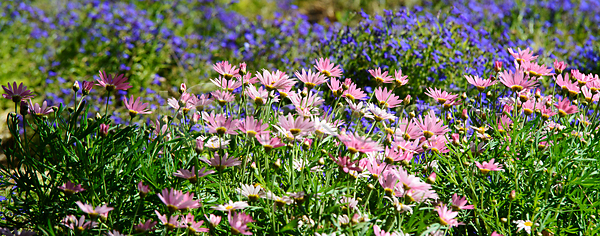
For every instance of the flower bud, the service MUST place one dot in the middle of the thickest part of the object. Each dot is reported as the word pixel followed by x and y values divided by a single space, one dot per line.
pixel 75 86
pixel 431 178
pixel 412 114
pixel 199 146
pixel 277 164
pixel 182 88
pixel 24 108
pixel 497 66
pixel 406 100
pixel 98 116
pixel 503 220
pixel 104 130
pixel 513 195
pixel 321 161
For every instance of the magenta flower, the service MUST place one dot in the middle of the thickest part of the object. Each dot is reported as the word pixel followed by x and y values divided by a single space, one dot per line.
pixel 239 223
pixel 581 78
pixel 345 163
pixel 565 108
pixel 400 79
pixel 387 98
pixel 336 87
pixel 70 188
pixel 86 87
pixel 440 96
pixel 222 162
pixel 143 189
pixel 381 77
pixel 177 200
pixel 253 127
pixel 227 84
pixel 534 69
pixel 230 206
pixel 354 93
pixel 430 126
pixel 522 55
pixel 486 167
pixel 226 70
pixel 447 216
pixel 223 97
pixel 516 81
pixel 310 79
pixel 93 212
pixel 588 94
pixel 559 67
pixel 145 227
pixel 110 82
pixel 276 80
pixel 192 225
pixel 16 94
pixel 136 107
pixel 171 223
pixel 566 85
pixel 460 203
pixel 269 143
pixel 327 68
pixel 479 83
pixel 192 175
pixel 497 66
pixel 219 123
pixel 355 143
pixel 298 126
pixel 37 110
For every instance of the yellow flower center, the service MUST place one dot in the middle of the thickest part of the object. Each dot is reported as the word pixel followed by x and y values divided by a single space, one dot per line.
pixel 528 223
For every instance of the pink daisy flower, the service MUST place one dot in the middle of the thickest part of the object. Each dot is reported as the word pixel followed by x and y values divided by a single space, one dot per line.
pixel 327 68
pixel 408 130
pixel 143 189
pixel 227 84
pixel 306 104
pixel 110 82
pixel 310 79
pixel 355 143
pixel 516 81
pixel 381 77
pixel 559 67
pixel 260 95
pixel 213 220
pixel 80 224
pixel 440 96
pixel 534 69
pixel 400 79
pixel 479 83
pixel 171 223
pixel 460 203
pixel 388 182
pixel 387 98
pixel 219 123
pixel 298 126
pixel 522 55
pixel 202 102
pixel 588 95
pixel 192 226
pixel 336 87
pixel 253 127
pixel 16 94
pixel 436 144
pixel 86 87
pixel 378 114
pixel 430 126
pixel 93 212
pixel 269 143
pixel 566 85
pixel 136 107
pixel 447 216
pixel 177 200
pixel 546 112
pixel 37 110
pixel 486 167
pixel 70 188
pixel 226 69
pixel 239 223
pixel 581 78
pixel 145 227
pixel 230 206
pixel 353 93
pixel 345 163
pixel 565 108
pixel 223 97
pixel 221 162
pixel 192 176
pixel 276 80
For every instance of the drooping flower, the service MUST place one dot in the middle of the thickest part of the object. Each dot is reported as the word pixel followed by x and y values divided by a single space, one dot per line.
pixel 70 188
pixel 93 212
pixel 565 108
pixel 460 203
pixel 177 200
pixel 110 82
pixel 381 77
pixel 387 98
pixel 440 96
pixel 239 223
pixel 310 79
pixel 327 68
pixel 516 81
pixel 486 167
pixel 230 206
pixel 16 94
pixel 345 163
pixel 226 69
pixel 221 162
pixel 219 123
pixel 479 83
pixel 136 107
